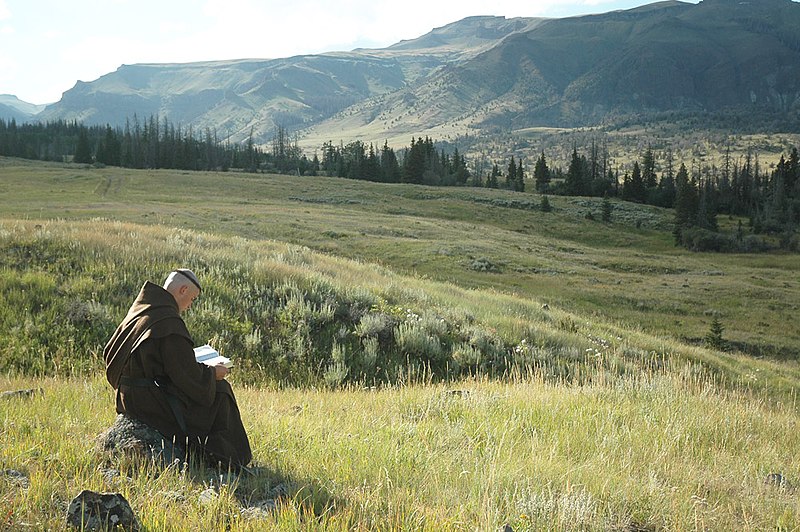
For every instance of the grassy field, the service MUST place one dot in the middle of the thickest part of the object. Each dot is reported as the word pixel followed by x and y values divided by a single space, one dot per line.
pixel 357 312
pixel 658 452
pixel 626 272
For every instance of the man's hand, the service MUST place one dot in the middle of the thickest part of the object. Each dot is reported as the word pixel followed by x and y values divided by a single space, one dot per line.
pixel 221 371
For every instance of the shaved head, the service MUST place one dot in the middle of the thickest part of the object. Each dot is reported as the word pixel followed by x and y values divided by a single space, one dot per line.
pixel 184 287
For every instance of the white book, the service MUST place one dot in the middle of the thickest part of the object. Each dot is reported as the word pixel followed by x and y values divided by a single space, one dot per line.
pixel 209 356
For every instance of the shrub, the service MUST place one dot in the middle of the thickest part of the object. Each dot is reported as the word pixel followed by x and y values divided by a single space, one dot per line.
pixel 417 343
pixel 375 325
pixel 699 239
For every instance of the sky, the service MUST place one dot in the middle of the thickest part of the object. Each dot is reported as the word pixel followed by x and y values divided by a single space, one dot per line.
pixel 46 46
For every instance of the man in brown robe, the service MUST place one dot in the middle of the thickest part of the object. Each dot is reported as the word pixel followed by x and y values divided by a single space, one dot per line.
pixel 150 363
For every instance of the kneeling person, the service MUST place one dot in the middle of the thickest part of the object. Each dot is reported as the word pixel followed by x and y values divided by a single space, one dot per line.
pixel 150 363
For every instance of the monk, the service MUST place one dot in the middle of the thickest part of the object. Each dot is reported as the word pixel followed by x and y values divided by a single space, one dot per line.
pixel 150 363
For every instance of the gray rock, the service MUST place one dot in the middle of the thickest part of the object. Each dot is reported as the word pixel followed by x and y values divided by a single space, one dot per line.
pixel 174 496
pixel 110 475
pixel 128 435
pixel 260 510
pixel 18 478
pixel 21 394
pixel 777 480
pixel 207 496
pixel 101 511
pixel 506 528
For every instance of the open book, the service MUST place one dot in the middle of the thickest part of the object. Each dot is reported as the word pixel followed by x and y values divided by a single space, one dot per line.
pixel 210 356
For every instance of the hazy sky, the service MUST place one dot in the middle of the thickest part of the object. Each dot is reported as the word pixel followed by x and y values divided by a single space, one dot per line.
pixel 47 45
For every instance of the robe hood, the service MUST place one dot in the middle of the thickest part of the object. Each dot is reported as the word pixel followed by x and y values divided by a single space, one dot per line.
pixel 153 314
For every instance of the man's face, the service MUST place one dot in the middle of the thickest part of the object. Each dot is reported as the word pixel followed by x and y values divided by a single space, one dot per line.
pixel 186 296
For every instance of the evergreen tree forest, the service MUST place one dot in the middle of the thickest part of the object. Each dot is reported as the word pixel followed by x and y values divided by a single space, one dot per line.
pixel 768 202
pixel 421 163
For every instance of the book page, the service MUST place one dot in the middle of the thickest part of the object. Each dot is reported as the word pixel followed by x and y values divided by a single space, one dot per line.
pixel 209 356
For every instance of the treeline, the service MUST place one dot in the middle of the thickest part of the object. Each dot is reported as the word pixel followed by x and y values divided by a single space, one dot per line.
pixel 152 143
pixel 421 163
pixel 769 201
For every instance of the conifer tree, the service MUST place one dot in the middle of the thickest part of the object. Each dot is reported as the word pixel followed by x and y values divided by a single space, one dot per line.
pixel 686 204
pixel 574 183
pixel 414 163
pixel 634 188
pixel 511 175
pixel 83 151
pixel 492 181
pixel 460 168
pixel 520 177
pixel 607 209
pixel 541 174
pixel 649 169
pixel 792 182
pixel 714 336
pixel 390 169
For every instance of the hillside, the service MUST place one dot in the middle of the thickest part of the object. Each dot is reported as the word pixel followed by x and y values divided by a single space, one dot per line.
pixel 593 70
pixel 628 272
pixel 12 108
pixel 484 73
pixel 233 97
pixel 408 358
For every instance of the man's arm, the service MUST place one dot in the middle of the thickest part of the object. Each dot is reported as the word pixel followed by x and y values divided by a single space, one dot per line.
pixel 197 381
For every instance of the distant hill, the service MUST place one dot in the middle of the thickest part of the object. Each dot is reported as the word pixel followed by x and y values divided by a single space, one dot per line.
pixel 482 72
pixel 12 107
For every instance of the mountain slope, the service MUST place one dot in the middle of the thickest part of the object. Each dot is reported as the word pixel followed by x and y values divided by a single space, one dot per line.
pixel 12 107
pixel 668 56
pixel 482 73
pixel 234 97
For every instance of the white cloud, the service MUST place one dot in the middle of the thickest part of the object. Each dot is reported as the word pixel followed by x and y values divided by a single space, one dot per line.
pixel 5 12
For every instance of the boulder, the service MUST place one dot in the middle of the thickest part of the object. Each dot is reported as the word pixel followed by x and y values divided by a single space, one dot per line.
pixel 17 478
pixel 101 511
pixel 777 480
pixel 12 394
pixel 128 435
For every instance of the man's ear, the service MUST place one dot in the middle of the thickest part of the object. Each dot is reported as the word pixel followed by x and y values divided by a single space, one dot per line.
pixel 182 290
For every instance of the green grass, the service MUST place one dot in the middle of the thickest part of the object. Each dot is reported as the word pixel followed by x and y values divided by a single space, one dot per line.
pixel 618 272
pixel 353 376
pixel 654 452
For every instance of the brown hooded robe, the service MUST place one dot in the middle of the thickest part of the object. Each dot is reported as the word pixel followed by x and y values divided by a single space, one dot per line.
pixel 150 363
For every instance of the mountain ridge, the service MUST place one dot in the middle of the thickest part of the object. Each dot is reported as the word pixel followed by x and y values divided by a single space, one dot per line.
pixel 479 73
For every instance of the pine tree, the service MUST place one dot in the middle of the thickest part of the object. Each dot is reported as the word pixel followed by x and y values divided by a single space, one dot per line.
pixel 686 204
pixel 575 182
pixel 511 175
pixel 714 338
pixel 544 205
pixel 83 151
pixel 792 182
pixel 372 169
pixel 492 181
pixel 460 168
pixel 649 169
pixel 520 177
pixel 607 209
pixel 635 189
pixel 541 174
pixel 390 169
pixel 414 163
